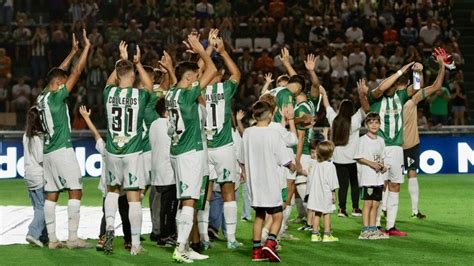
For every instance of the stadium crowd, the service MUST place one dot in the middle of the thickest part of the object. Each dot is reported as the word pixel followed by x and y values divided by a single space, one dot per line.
pixel 352 39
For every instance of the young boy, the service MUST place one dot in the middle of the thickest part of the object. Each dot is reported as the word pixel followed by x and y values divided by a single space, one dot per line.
pixel 322 185
pixel 263 152
pixel 370 156
pixel 123 203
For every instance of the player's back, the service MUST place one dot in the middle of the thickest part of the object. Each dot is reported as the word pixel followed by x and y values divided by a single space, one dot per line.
pixel 125 113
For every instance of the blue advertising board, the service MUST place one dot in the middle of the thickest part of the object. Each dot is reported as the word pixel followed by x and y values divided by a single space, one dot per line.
pixel 439 154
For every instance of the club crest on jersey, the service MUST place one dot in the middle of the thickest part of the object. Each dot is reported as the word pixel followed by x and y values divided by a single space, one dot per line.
pixel 410 161
pixel 131 178
pixel 182 186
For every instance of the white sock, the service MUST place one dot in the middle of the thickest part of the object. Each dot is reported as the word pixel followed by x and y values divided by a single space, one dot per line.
pixel 203 222
pixel 110 209
pixel 392 208
pixel 414 191
pixel 286 215
pixel 379 215
pixel 384 200
pixel 230 215
pixel 135 217
pixel 301 188
pixel 185 224
pixel 50 219
pixel 73 213
pixel 264 234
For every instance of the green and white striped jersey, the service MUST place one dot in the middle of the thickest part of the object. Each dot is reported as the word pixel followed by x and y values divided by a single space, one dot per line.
pixel 219 113
pixel 283 97
pixel 149 117
pixel 185 125
pixel 54 115
pixel 124 112
pixel 390 110
pixel 301 109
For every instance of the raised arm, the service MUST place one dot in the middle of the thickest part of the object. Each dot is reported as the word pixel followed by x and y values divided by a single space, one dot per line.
pixel 81 64
pixel 310 63
pixel 144 77
pixel 388 82
pixel 230 64
pixel 210 69
pixel 285 60
pixel 112 79
pixel 288 118
pixel 209 49
pixel 240 126
pixel 166 64
pixel 417 67
pixel 86 115
pixel 268 81
pixel 363 89
pixel 325 99
pixel 425 92
pixel 67 61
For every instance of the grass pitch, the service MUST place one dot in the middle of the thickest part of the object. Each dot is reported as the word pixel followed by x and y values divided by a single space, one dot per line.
pixel 446 236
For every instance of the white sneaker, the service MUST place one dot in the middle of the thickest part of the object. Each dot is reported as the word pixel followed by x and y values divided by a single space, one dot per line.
pixel 181 256
pixel 34 242
pixel 193 255
pixel 56 245
pixel 77 243
pixel 138 250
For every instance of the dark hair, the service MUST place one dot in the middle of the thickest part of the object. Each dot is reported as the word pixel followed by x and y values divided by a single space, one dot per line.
pixel 33 122
pixel 260 110
pixel 297 79
pixel 282 78
pixel 372 116
pixel 341 126
pixel 56 72
pixel 218 62
pixel 160 107
pixel 184 67
pixel 123 67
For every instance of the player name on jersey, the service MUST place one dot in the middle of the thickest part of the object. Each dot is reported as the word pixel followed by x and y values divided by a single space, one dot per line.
pixel 123 100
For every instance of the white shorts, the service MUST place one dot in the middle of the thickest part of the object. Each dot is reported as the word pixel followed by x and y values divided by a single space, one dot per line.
pixel 124 171
pixel 394 162
pixel 205 163
pixel 188 174
pixel 145 169
pixel 305 162
pixel 223 161
pixel 61 171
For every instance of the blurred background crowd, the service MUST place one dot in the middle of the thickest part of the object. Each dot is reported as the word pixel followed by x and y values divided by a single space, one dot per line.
pixel 351 38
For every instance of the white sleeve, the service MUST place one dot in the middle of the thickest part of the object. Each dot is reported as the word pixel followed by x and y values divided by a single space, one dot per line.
pixel 330 115
pixel 38 149
pixel 289 137
pixel 241 154
pixel 360 151
pixel 100 146
pixel 283 156
pixel 333 181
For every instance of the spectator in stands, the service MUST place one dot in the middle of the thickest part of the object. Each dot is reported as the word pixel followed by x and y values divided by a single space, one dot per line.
pixel 390 35
pixel 429 34
pixel 276 8
pixel 96 78
pixel 134 11
pixel 422 121
pixel 408 35
pixel 339 65
pixel 337 35
pixel 278 64
pixel 245 62
pixel 318 33
pixel 21 95
pixel 4 93
pixel 152 35
pixel 149 55
pixel 91 10
pixel 439 106
pixel 373 83
pixel 188 8
pixel 397 60
pixel 22 36
pixel 448 32
pixel 354 33
pixel 5 65
pixel 133 33
pixel 322 65
pixel 264 63
pixel 204 10
pixel 76 10
pixel 39 62
pixel 36 90
pixel 357 61
pixel 373 34
pixel 368 8
pixel 114 34
pixel 223 9
pixel 377 59
pixel 413 55
pixel 458 102
pixel 95 37
pixel 60 47
pixel 386 15
pixel 7 12
pixel 348 11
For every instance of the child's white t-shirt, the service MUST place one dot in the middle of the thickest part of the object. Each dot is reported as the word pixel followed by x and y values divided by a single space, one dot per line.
pixel 322 180
pixel 372 150
pixel 100 147
pixel 33 159
pixel 263 153
pixel 161 171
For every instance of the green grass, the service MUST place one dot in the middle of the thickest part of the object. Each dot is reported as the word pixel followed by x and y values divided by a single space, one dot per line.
pixel 446 236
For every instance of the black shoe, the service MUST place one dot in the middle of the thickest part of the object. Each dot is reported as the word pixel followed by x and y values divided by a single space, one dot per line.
pixel 419 215
pixel 197 247
pixel 154 237
pixel 108 243
pixel 142 239
pixel 213 233
pixel 342 213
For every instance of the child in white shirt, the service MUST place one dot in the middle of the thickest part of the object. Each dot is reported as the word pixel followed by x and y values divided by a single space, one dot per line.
pixel 322 185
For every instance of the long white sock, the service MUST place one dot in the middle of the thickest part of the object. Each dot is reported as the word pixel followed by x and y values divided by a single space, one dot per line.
pixel 203 222
pixel 135 217
pixel 185 224
pixel 286 215
pixel 392 208
pixel 73 212
pixel 110 209
pixel 414 191
pixel 230 215
pixel 384 200
pixel 265 233
pixel 50 219
pixel 379 215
